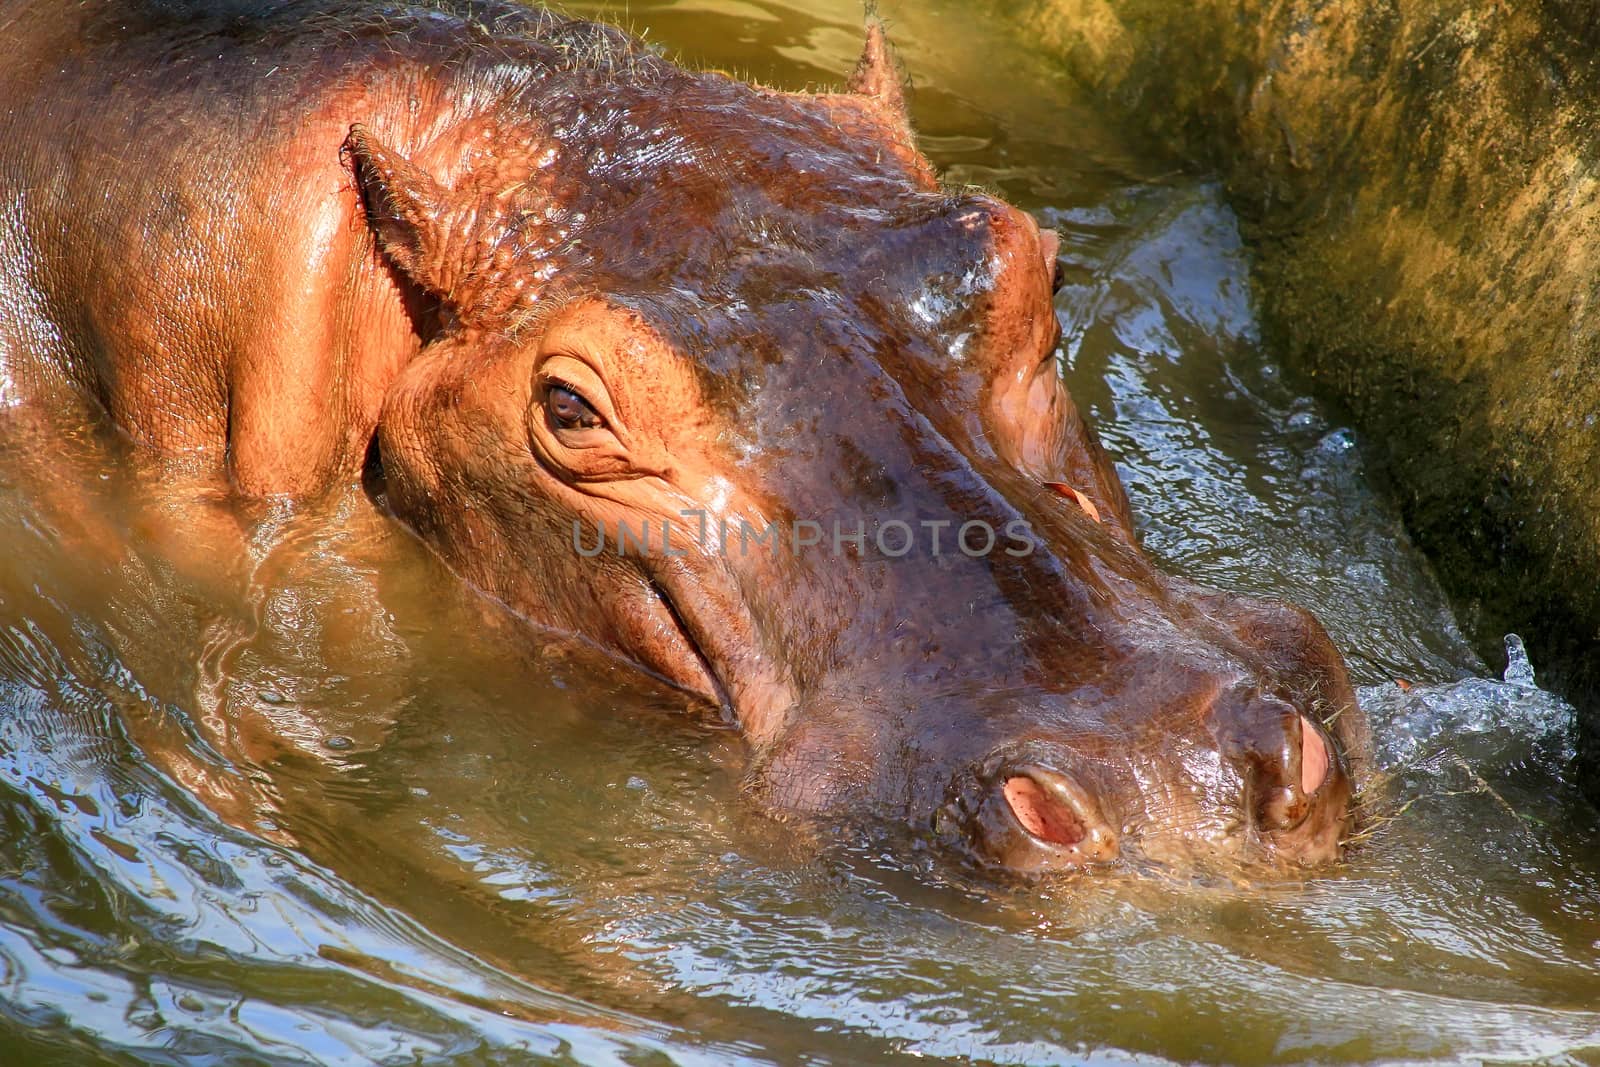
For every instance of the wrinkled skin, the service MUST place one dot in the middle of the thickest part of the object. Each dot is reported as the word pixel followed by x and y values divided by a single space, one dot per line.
pixel 569 287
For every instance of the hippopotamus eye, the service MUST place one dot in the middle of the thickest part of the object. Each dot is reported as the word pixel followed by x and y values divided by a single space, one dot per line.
pixel 568 410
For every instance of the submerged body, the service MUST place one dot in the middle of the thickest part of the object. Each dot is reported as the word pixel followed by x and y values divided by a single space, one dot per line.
pixel 571 294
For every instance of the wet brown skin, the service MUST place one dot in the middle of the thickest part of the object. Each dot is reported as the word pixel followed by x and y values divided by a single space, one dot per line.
pixel 569 286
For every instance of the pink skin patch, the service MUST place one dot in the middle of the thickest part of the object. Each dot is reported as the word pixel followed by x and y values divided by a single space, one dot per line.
pixel 1313 758
pixel 1041 814
pixel 1080 499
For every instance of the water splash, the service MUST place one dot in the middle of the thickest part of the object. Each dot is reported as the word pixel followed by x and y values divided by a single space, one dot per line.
pixel 1498 717
pixel 1518 670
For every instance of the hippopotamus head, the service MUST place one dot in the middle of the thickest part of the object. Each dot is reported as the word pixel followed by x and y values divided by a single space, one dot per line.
pixel 726 382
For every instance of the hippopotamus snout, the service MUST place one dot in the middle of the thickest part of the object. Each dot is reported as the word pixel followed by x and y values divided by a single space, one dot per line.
pixel 1257 780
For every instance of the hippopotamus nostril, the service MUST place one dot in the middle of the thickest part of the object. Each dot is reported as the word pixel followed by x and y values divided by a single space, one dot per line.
pixel 1285 784
pixel 1314 758
pixel 1050 248
pixel 1281 757
pixel 1042 814
pixel 1033 818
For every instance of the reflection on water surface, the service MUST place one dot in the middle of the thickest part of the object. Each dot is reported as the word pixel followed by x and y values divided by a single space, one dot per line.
pixel 478 845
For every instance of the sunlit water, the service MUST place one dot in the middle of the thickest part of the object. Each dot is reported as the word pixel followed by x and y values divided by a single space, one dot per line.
pixel 477 845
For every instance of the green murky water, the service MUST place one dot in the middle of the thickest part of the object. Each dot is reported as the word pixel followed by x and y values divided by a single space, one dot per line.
pixel 475 845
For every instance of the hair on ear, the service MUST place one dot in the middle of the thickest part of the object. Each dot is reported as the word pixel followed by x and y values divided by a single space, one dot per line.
pixel 877 76
pixel 404 207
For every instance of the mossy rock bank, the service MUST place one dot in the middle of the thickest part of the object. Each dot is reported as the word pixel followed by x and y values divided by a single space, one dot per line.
pixel 1421 183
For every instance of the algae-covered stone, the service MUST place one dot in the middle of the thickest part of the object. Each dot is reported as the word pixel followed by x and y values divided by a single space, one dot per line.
pixel 1421 182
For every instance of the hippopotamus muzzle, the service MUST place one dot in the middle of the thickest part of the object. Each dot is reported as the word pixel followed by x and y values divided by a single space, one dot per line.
pixel 1192 752
pixel 1280 795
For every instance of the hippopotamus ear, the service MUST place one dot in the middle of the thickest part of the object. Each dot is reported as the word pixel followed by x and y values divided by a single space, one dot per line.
pixel 878 77
pixel 873 106
pixel 405 207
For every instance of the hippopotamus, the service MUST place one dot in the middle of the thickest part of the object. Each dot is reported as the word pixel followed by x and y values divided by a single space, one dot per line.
pixel 718 377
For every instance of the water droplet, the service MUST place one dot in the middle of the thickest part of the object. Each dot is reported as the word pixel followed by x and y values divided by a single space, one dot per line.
pixel 272 696
pixel 338 742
